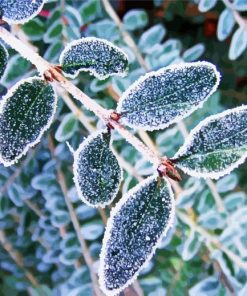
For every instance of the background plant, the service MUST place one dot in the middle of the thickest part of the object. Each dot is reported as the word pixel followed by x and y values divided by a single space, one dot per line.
pixel 55 216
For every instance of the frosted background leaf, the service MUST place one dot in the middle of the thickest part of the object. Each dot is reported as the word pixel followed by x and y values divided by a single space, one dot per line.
pixel 97 174
pixel 97 56
pixel 3 59
pixel 19 12
pixel 161 98
pixel 216 146
pixel 26 112
pixel 135 228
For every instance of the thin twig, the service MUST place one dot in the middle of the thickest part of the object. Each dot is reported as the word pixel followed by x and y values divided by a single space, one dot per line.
pixel 16 256
pixel 242 22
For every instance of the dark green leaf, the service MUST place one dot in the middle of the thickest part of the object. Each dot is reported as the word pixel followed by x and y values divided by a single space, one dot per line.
pixel 216 146
pixel 161 98
pixel 94 55
pixel 136 226
pixel 20 12
pixel 97 174
pixel 3 59
pixel 26 112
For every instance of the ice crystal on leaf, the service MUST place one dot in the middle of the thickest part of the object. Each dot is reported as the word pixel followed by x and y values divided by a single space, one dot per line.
pixel 20 11
pixel 97 56
pixel 163 97
pixel 3 59
pixel 97 174
pixel 136 226
pixel 216 146
pixel 26 112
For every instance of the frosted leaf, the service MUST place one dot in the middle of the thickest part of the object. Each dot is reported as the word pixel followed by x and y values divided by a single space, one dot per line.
pixel 20 12
pixel 163 97
pixel 216 146
pixel 25 113
pixel 97 174
pixel 3 59
pixel 134 230
pixel 97 56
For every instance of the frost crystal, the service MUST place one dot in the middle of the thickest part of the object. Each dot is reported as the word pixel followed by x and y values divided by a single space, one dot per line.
pixel 97 174
pixel 216 146
pixel 19 12
pixel 136 226
pixel 26 112
pixel 97 56
pixel 3 59
pixel 161 98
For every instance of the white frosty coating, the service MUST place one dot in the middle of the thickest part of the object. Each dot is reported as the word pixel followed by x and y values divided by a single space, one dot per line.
pixel 136 86
pixel 5 100
pixel 118 71
pixel 5 58
pixel 109 228
pixel 87 142
pixel 193 134
pixel 15 8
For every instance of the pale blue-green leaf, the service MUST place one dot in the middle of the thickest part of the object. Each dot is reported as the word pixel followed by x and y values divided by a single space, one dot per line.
pixel 53 52
pixel 97 174
pixel 191 246
pixel 234 200
pixel 161 98
pixel 96 56
pixel 238 43
pixel 225 24
pixel 193 53
pixel 136 227
pixel 85 212
pixel 3 59
pixel 69 256
pixel 60 218
pixel 26 112
pixel 151 37
pixel 135 19
pixel 67 128
pixel 212 220
pixel 240 5
pixel 79 277
pixel 243 291
pixel 186 198
pixel 216 146
pixel 90 10
pixel 20 12
pixel 105 29
pixel 207 287
pixel 206 5
pixel 227 183
pixel 92 230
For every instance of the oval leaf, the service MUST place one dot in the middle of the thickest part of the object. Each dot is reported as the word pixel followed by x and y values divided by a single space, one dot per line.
pixel 26 112
pixel 97 56
pixel 135 228
pixel 161 98
pixel 238 43
pixel 206 5
pixel 216 146
pixel 225 24
pixel 97 174
pixel 3 59
pixel 20 12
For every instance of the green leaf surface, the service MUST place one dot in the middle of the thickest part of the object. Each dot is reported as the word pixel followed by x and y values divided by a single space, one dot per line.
pixel 3 59
pixel 26 112
pixel 94 55
pixel 216 146
pixel 136 226
pixel 20 12
pixel 238 43
pixel 158 99
pixel 135 19
pixel 67 128
pixel 97 174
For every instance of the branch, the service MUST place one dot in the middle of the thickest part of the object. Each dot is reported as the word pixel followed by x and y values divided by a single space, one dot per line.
pixel 242 22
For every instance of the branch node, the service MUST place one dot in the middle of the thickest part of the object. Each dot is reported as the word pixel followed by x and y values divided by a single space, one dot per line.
pixel 167 169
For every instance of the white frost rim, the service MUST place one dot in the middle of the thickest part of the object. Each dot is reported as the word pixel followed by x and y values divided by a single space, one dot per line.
pixel 92 71
pixel 138 83
pixel 184 148
pixel 6 56
pixel 25 20
pixel 5 100
pixel 109 227
pixel 83 145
